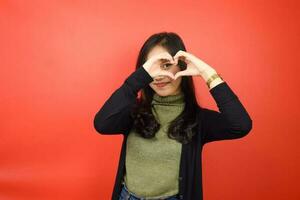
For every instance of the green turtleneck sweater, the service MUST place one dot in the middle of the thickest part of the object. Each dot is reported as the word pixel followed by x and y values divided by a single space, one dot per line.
pixel 152 165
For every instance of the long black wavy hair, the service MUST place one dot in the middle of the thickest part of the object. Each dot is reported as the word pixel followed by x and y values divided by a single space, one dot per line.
pixel 183 127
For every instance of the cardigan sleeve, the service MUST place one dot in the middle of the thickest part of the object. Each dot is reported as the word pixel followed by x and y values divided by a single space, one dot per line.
pixel 231 122
pixel 114 116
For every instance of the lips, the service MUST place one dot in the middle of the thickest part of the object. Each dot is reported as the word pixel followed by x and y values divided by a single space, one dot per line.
pixel 161 84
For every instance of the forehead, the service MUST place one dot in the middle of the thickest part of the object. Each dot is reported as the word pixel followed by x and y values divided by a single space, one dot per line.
pixel 156 50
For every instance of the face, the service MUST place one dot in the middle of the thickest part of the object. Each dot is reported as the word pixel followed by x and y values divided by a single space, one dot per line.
pixel 173 86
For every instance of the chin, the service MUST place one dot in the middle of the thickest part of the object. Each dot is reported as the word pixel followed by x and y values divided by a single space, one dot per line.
pixel 164 93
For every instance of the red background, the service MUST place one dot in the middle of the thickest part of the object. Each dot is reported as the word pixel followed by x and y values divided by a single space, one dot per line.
pixel 60 61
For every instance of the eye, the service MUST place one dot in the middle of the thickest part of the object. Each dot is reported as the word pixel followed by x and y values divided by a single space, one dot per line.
pixel 166 65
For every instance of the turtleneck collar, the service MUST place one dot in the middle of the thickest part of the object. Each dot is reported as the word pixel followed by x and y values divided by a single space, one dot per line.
pixel 176 99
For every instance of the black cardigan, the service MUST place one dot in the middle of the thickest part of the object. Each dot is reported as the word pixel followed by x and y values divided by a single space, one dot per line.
pixel 231 122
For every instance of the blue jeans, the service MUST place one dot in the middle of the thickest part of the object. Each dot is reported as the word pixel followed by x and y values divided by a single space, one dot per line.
pixel 126 195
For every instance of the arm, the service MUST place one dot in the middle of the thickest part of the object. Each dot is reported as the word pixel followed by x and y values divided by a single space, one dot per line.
pixel 114 116
pixel 231 122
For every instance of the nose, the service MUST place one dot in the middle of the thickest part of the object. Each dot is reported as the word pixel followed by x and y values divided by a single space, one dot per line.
pixel 158 78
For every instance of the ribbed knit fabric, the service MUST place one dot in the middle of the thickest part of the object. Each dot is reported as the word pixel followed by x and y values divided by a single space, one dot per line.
pixel 152 165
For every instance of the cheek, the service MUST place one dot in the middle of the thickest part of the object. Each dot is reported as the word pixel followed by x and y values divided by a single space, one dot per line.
pixel 175 69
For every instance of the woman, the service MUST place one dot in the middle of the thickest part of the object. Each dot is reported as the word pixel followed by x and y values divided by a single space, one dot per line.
pixel 164 128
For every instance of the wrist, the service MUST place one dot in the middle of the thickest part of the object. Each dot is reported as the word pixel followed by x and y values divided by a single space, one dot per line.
pixel 206 74
pixel 212 78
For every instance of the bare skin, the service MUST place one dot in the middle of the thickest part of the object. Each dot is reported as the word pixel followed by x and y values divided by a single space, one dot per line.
pixel 164 69
pixel 170 65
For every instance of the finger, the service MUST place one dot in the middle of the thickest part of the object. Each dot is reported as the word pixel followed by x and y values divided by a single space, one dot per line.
pixel 174 61
pixel 178 54
pixel 180 59
pixel 182 54
pixel 182 73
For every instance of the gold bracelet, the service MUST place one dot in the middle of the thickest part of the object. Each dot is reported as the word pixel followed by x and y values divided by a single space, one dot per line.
pixel 213 77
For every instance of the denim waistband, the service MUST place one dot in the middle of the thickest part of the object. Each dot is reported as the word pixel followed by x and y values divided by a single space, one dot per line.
pixel 135 197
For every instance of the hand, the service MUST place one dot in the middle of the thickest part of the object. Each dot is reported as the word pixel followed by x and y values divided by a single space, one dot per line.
pixel 154 65
pixel 195 66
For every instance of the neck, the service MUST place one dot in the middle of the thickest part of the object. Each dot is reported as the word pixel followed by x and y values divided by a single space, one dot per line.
pixel 166 108
pixel 175 99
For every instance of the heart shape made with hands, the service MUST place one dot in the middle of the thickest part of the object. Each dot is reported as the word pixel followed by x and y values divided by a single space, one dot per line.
pixel 189 64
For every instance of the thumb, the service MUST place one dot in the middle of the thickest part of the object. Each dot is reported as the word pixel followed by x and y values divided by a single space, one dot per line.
pixel 178 74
